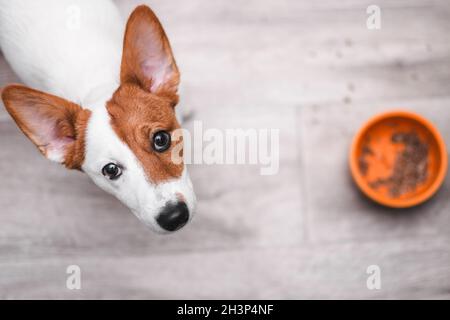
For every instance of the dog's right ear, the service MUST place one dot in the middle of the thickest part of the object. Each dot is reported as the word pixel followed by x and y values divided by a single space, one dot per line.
pixel 49 121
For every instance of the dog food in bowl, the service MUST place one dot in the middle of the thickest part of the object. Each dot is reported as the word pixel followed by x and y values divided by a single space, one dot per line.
pixel 398 159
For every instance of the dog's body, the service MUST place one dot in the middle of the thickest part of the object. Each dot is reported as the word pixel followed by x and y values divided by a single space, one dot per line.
pixel 67 48
pixel 114 106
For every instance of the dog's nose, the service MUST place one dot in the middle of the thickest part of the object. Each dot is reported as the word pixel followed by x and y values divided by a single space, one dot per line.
pixel 174 216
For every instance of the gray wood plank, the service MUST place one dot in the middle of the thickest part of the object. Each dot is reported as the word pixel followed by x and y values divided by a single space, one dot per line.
pixel 409 269
pixel 290 53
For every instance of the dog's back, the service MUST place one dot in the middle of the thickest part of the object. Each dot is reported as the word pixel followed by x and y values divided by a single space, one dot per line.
pixel 65 47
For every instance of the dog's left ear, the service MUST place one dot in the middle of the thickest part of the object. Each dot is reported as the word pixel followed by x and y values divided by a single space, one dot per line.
pixel 147 56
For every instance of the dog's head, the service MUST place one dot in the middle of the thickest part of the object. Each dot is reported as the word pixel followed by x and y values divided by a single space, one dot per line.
pixel 131 146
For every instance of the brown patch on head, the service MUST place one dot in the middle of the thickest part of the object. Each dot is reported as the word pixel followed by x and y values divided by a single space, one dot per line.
pixel 144 102
pixel 56 126
pixel 74 156
pixel 136 115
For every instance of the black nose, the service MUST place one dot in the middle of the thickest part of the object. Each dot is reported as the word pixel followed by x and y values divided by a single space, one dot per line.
pixel 173 216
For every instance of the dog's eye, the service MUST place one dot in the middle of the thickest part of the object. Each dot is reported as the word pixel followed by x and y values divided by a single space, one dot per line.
pixel 112 171
pixel 161 141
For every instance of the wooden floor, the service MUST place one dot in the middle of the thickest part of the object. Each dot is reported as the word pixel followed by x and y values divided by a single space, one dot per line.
pixel 312 70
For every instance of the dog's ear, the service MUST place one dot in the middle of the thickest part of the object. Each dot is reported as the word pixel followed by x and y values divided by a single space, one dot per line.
pixel 48 121
pixel 147 56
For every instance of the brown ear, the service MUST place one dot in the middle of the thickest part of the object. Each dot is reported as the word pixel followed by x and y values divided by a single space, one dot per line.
pixel 50 122
pixel 147 57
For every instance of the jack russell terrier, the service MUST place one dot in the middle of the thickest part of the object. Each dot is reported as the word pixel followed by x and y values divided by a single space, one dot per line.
pixel 100 104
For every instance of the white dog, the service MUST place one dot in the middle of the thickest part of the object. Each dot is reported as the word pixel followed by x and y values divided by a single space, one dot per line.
pixel 101 104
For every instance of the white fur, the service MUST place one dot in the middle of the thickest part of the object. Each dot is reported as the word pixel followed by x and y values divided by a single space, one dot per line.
pixel 81 62
pixel 51 51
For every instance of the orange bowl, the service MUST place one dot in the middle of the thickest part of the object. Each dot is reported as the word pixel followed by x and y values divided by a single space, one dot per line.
pixel 398 159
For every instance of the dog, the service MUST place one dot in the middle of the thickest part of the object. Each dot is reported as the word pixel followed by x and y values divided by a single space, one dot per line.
pixel 100 98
